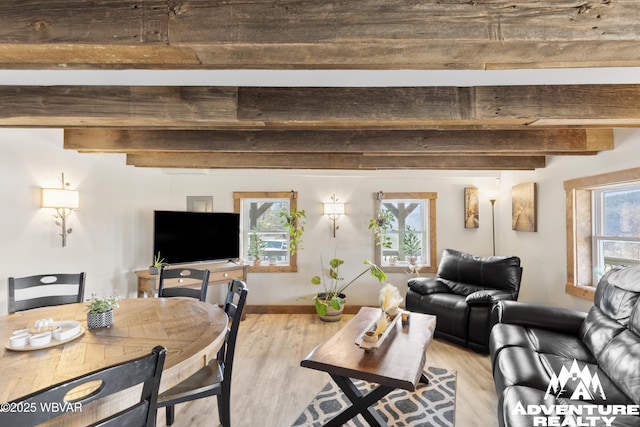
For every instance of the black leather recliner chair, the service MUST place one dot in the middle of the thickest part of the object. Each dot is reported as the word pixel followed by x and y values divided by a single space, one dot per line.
pixel 463 293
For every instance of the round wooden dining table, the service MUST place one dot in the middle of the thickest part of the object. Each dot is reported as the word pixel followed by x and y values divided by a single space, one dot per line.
pixel 191 330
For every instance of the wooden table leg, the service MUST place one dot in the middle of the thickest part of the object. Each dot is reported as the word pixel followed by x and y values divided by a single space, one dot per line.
pixel 361 403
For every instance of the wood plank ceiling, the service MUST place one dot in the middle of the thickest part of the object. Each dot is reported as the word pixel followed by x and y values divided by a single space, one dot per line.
pixel 481 127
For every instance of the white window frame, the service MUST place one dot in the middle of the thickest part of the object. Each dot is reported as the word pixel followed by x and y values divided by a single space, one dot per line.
pixel 428 258
pixel 600 264
pixel 581 280
pixel 239 198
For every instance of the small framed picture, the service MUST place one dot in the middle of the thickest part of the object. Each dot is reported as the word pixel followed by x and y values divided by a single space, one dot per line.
pixel 471 211
pixel 523 207
pixel 200 203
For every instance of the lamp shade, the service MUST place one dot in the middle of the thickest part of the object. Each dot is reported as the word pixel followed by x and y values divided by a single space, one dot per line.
pixel 59 198
pixel 334 208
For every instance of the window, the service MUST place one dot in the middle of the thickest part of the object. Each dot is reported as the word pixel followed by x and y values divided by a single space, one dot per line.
pixel 603 227
pixel 616 234
pixel 408 242
pixel 261 227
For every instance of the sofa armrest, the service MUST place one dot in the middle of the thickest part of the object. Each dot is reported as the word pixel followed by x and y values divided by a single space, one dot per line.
pixel 488 296
pixel 427 285
pixel 557 319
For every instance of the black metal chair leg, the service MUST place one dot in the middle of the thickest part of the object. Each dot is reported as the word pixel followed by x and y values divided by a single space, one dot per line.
pixel 224 411
pixel 170 415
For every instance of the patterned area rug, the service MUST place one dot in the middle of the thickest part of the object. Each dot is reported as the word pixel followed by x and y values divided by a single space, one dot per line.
pixel 430 405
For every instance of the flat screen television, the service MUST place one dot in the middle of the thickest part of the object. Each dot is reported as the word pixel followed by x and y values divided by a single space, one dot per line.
pixel 185 237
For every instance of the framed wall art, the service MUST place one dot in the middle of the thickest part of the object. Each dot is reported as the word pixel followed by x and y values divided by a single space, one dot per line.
pixel 471 211
pixel 524 201
pixel 200 203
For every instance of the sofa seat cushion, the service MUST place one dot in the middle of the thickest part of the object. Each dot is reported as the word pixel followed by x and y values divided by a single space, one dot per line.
pixel 520 366
pixel 515 398
pixel 539 340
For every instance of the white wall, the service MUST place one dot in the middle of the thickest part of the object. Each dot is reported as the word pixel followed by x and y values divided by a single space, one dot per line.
pixel 112 230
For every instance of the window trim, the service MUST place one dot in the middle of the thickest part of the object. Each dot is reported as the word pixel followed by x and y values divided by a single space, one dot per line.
pixel 580 228
pixel 430 197
pixel 293 203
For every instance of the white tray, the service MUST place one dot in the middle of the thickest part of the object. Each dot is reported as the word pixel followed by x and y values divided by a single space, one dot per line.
pixel 370 346
pixel 54 342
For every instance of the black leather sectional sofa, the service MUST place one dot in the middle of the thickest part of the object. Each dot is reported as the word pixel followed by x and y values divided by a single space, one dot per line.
pixel 555 366
pixel 463 294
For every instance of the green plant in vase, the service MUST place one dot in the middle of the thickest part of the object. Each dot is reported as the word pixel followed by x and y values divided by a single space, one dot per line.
pixel 257 247
pixel 293 221
pixel 158 263
pixel 100 310
pixel 335 285
pixel 380 225
pixel 411 245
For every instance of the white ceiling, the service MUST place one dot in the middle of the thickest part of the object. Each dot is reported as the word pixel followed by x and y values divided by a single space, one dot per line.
pixel 311 78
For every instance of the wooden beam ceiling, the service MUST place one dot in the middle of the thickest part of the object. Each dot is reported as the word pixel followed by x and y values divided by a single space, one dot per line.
pixel 294 34
pixel 492 127
pixel 250 108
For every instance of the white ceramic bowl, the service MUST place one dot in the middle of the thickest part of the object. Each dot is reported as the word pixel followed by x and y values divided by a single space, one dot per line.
pixel 19 339
pixel 66 329
pixel 37 340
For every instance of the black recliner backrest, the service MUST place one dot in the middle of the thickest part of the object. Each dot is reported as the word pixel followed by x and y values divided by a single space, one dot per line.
pixel 465 273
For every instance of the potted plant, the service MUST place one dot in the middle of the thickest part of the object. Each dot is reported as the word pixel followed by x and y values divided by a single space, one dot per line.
pixel 411 245
pixel 379 225
pixel 158 263
pixel 293 221
pixel 330 303
pixel 257 248
pixel 100 311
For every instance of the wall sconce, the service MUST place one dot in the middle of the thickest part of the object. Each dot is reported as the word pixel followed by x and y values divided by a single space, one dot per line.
pixel 64 202
pixel 334 210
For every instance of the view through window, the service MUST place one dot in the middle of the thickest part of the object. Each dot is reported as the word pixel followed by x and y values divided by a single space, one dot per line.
pixel 603 227
pixel 265 239
pixel 407 240
pixel 616 239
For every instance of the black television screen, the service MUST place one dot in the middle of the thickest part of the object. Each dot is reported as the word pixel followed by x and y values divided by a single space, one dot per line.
pixel 184 237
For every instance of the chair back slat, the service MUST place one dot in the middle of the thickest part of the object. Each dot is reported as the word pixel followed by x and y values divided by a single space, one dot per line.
pixel 146 370
pixel 45 290
pixel 198 283
pixel 234 307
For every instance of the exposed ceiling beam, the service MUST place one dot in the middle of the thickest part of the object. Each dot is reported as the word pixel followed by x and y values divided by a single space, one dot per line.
pixel 488 142
pixel 220 160
pixel 247 108
pixel 290 34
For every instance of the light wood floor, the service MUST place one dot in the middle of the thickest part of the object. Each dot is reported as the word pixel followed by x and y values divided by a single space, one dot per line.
pixel 270 388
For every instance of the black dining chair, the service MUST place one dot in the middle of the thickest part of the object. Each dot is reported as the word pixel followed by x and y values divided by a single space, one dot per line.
pixel 45 290
pixel 215 378
pixel 145 370
pixel 195 283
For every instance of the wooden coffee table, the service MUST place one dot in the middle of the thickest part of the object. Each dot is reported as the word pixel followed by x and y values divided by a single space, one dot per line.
pixel 397 363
